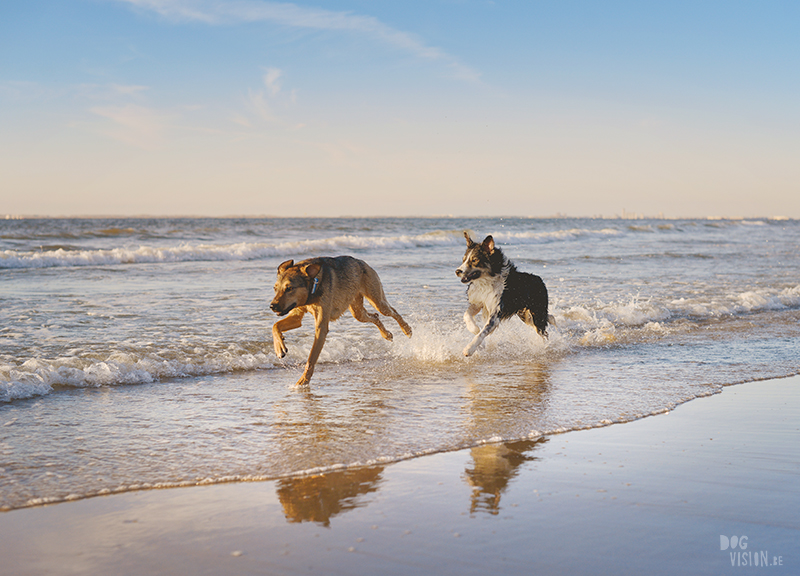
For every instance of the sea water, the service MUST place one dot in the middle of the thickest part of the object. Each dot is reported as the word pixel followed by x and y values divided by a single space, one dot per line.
pixel 137 353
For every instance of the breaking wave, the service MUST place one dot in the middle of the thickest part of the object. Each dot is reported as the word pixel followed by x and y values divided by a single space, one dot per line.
pixel 61 256
pixel 434 342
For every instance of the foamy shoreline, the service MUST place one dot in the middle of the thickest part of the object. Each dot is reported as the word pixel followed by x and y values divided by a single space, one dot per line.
pixel 659 495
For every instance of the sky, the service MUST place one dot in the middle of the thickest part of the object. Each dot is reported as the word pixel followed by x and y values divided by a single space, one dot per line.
pixel 412 108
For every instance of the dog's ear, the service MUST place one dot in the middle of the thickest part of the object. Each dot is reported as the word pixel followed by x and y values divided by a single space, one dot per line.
pixel 470 242
pixel 312 270
pixel 488 244
pixel 285 266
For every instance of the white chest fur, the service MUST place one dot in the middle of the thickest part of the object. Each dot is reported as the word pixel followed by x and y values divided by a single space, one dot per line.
pixel 487 291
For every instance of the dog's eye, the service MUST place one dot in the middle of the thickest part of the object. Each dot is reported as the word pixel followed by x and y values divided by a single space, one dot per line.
pixel 289 288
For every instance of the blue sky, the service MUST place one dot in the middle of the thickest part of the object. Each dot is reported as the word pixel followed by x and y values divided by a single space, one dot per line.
pixel 470 108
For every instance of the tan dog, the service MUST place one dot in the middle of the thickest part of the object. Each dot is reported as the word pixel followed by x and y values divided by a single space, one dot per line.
pixel 327 287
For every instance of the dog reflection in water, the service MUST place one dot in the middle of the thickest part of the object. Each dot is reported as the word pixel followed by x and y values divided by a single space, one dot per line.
pixel 494 466
pixel 320 497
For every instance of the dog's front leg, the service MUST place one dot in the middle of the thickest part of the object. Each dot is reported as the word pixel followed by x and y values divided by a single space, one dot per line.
pixel 491 324
pixel 292 321
pixel 320 333
pixel 469 318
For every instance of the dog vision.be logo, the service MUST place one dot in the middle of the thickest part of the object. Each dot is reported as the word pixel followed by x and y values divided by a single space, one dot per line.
pixel 741 556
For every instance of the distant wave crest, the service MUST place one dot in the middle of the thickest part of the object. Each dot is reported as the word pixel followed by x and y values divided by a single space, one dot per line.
pixel 256 251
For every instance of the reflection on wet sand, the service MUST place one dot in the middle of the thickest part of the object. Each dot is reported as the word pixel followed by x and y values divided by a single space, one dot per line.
pixel 493 468
pixel 496 409
pixel 504 406
pixel 320 497
pixel 318 428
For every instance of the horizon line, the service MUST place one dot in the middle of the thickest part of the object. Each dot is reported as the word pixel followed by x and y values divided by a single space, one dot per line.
pixel 557 216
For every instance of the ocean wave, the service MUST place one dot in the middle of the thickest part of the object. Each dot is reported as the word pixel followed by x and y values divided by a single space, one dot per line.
pixel 432 344
pixel 603 323
pixel 39 376
pixel 61 257
pixel 436 342
pixel 757 300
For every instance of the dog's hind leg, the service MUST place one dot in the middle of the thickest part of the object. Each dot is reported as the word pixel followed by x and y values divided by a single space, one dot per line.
pixel 527 316
pixel 292 321
pixel 360 313
pixel 385 308
pixel 377 298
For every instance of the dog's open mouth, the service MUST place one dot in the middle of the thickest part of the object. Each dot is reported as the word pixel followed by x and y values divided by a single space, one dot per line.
pixel 474 275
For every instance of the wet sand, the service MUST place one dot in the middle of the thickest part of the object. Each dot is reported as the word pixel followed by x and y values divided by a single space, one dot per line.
pixel 662 495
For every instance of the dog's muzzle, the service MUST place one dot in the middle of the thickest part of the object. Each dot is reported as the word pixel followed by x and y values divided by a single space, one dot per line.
pixel 465 278
pixel 277 309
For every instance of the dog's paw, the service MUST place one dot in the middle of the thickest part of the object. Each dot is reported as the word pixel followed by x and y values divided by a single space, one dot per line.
pixel 280 349
pixel 469 351
pixel 304 379
pixel 308 372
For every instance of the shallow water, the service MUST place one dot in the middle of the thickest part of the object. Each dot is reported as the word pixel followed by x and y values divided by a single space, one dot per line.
pixel 138 352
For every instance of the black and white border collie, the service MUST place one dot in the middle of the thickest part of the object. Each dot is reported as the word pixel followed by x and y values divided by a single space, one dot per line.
pixel 498 289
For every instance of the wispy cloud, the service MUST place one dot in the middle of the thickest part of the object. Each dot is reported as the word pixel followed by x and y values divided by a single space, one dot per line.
pixel 272 80
pixel 262 102
pixel 216 12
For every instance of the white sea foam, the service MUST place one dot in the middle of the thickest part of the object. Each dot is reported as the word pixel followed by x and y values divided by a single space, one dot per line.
pixel 434 343
pixel 37 377
pixel 600 321
pixel 257 250
pixel 431 344
pixel 757 300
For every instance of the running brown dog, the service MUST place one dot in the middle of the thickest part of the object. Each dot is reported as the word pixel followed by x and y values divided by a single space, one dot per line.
pixel 327 287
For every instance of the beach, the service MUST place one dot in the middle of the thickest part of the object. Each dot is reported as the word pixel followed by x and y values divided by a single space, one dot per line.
pixel 356 288
pixel 148 427
pixel 711 487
